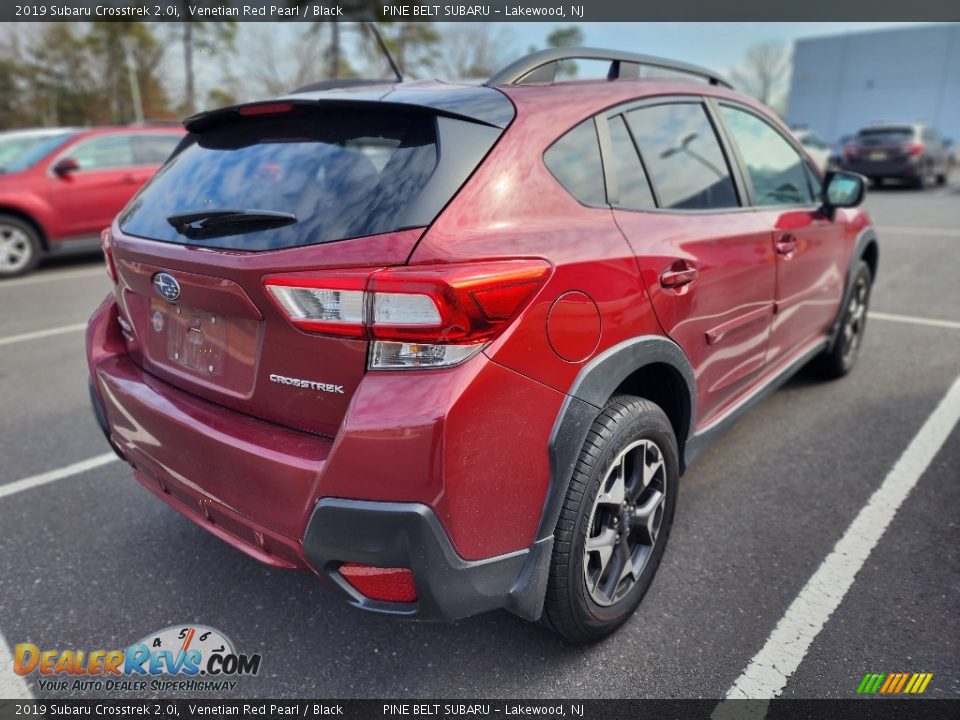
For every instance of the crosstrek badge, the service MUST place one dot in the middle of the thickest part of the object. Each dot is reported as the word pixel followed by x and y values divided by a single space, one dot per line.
pixel 311 384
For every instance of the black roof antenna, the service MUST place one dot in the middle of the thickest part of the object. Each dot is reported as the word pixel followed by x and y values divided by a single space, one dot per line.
pixel 372 27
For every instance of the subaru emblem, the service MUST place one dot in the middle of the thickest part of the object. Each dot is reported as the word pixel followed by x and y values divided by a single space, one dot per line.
pixel 167 286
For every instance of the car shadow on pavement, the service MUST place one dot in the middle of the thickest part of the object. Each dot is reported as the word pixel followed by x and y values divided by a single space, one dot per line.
pixel 313 643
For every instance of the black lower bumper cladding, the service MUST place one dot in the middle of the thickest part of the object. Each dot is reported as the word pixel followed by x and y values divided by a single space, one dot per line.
pixel 409 535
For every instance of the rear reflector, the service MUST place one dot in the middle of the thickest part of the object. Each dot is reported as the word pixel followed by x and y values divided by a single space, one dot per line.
pixel 384 584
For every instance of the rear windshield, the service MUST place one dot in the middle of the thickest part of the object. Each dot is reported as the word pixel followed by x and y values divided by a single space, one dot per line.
pixel 339 174
pixel 877 136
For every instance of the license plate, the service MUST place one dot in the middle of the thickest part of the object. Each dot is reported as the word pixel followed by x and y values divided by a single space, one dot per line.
pixel 195 338
pixel 878 155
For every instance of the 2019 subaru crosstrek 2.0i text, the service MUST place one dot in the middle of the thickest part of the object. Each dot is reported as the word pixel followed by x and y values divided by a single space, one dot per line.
pixel 450 347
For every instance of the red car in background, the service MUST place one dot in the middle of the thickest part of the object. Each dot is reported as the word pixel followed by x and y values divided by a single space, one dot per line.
pixel 58 194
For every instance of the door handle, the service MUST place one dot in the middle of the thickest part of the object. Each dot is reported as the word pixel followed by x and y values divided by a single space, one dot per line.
pixel 785 244
pixel 679 274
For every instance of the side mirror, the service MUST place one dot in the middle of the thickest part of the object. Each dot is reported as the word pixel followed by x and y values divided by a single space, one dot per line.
pixel 842 189
pixel 65 166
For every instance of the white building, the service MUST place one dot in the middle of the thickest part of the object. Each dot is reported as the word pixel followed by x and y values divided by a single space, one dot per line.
pixel 841 83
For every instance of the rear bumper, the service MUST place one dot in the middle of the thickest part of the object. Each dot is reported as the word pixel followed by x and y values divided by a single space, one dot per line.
pixel 904 168
pixel 409 535
pixel 279 495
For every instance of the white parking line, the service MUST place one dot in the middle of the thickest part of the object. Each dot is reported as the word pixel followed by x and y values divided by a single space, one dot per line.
pixel 940 232
pixel 54 475
pixel 12 686
pixel 768 672
pixel 51 276
pixel 38 334
pixel 914 320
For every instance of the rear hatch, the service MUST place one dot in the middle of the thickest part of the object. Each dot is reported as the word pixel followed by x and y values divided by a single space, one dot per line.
pixel 267 189
pixel 884 144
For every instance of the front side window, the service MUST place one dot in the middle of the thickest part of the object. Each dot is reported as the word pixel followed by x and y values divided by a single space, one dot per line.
pixel 683 157
pixel 102 153
pixel 574 160
pixel 775 168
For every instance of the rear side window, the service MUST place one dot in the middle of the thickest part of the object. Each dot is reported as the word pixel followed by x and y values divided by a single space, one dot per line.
pixel 341 174
pixel 683 157
pixel 776 169
pixel 634 190
pixel 104 152
pixel 575 162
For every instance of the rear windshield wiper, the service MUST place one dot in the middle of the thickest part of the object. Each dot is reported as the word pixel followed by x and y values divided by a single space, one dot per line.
pixel 217 223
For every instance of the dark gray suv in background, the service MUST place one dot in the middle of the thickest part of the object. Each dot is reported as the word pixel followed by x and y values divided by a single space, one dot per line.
pixel 912 152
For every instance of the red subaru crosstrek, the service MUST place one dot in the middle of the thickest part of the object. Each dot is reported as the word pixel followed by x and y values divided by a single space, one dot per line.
pixel 450 347
pixel 60 190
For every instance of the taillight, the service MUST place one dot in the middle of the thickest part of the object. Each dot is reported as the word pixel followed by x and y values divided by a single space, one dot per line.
pixel 419 316
pixel 106 244
pixel 333 303
pixel 850 150
pixel 913 148
pixel 384 584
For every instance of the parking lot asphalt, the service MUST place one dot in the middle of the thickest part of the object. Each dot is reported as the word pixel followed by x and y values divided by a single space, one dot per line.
pixel 93 561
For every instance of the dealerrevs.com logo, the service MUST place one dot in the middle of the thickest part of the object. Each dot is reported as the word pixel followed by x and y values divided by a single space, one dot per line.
pixel 186 658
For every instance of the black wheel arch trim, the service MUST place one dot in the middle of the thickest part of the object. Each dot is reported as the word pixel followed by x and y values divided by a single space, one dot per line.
pixel 866 238
pixel 593 387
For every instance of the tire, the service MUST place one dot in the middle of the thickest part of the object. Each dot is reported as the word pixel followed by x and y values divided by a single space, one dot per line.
pixel 20 247
pixel 942 179
pixel 589 594
pixel 841 358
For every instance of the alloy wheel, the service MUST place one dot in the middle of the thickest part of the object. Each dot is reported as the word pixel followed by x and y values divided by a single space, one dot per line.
pixel 855 319
pixel 625 522
pixel 16 250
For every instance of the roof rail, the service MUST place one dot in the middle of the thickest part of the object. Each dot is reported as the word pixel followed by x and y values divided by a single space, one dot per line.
pixel 541 66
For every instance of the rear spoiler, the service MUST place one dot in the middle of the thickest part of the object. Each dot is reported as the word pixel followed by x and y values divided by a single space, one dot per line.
pixel 476 105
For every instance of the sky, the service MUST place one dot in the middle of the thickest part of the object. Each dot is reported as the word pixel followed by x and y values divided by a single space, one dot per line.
pixel 719 46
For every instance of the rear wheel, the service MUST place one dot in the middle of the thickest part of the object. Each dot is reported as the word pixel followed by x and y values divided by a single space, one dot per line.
pixel 19 247
pixel 615 521
pixel 840 359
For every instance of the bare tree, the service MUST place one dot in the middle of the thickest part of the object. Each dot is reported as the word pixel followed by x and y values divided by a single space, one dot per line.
pixel 205 35
pixel 765 73
pixel 474 50
pixel 564 37
pixel 278 70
